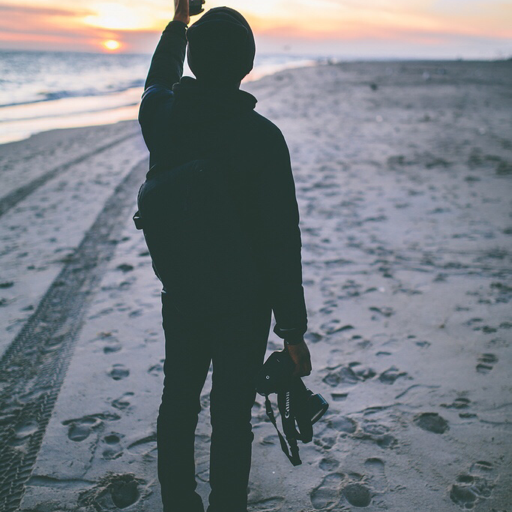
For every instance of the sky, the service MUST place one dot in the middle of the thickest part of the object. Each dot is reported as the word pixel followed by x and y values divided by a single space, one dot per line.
pixel 448 29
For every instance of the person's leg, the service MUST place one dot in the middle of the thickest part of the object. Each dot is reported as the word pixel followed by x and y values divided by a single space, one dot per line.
pixel 238 351
pixel 187 359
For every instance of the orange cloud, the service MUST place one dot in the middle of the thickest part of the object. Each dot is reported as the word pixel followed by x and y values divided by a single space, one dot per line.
pixel 85 24
pixel 49 28
pixel 117 16
pixel 383 23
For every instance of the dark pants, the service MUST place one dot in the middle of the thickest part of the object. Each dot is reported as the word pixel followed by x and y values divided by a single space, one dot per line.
pixel 236 345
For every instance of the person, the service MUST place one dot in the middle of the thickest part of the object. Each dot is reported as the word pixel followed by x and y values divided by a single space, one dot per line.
pixel 183 118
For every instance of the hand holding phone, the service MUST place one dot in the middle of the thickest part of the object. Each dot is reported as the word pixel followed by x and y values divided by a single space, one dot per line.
pixel 196 7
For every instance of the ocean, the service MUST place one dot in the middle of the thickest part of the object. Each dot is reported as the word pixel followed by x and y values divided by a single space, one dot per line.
pixel 41 91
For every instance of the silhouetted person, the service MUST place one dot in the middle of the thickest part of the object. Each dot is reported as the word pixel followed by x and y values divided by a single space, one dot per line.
pixel 183 119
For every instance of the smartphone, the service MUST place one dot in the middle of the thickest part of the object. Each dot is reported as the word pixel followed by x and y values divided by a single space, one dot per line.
pixel 195 7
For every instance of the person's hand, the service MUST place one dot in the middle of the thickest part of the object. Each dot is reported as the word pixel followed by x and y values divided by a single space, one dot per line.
pixel 181 12
pixel 301 357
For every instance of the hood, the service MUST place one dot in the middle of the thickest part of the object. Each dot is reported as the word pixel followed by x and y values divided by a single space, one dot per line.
pixel 196 103
pixel 221 46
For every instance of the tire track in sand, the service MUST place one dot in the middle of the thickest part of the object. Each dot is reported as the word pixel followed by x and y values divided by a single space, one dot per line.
pixel 13 198
pixel 33 368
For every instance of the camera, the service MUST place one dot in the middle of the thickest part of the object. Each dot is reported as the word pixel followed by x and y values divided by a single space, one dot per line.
pixel 316 405
pixel 299 407
pixel 276 376
pixel 195 7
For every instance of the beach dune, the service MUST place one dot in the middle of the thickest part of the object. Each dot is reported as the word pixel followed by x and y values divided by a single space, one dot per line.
pixel 403 173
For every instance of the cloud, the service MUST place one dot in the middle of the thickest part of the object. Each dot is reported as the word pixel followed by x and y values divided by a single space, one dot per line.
pixel 29 10
pixel 50 28
pixel 83 24
pixel 363 19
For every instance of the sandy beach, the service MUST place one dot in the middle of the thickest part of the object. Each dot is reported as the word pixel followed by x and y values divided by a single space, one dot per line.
pixel 403 173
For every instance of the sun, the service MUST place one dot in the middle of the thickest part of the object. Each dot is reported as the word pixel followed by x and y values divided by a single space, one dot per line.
pixel 112 45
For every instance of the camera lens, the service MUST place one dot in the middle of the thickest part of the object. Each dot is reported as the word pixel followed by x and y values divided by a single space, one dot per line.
pixel 317 407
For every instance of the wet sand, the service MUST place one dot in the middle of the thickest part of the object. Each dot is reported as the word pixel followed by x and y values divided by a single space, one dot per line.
pixel 403 174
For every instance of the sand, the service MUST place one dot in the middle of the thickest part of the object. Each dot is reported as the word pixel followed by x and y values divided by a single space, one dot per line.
pixel 403 174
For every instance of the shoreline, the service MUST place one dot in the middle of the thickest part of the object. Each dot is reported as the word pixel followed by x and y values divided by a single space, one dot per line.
pixel 403 183
pixel 99 115
pixel 20 121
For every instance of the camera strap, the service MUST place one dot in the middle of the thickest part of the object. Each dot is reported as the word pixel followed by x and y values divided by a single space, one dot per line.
pixel 293 452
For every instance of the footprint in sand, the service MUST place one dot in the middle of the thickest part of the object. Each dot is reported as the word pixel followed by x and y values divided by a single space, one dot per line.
pixel 269 440
pixel 273 504
pixel 156 369
pixel 377 474
pixel 112 492
pixel 333 326
pixel 328 493
pixel 461 403
pixel 384 311
pixel 313 337
pixel 476 320
pixel 391 375
pixel 119 372
pixel 112 348
pixel 377 433
pixel 431 422
pixel 23 433
pixel 328 464
pixel 144 445
pixel 357 495
pixel 81 428
pixel 123 402
pixel 112 446
pixel 458 403
pixel 205 401
pixel 486 329
pixel 339 397
pixel 344 375
pixel 342 424
pixel 348 375
pixel 326 442
pixel 125 267
pixel 326 438
pixel 112 344
pixel 363 372
pixel 473 486
pixel 329 307
pixel 486 363
pixel 5 302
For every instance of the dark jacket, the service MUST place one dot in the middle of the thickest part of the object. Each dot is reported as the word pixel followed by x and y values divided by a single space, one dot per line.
pixel 182 120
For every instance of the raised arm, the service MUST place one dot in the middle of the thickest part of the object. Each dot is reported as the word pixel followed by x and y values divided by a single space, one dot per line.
pixel 166 69
pixel 167 63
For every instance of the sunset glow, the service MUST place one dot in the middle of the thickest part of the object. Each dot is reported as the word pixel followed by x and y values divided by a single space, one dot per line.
pixel 112 45
pixel 380 28
pixel 118 17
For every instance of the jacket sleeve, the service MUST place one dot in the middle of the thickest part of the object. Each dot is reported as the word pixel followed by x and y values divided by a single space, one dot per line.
pixel 166 69
pixel 278 239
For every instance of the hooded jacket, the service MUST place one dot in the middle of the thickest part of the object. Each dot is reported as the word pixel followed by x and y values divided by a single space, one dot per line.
pixel 183 119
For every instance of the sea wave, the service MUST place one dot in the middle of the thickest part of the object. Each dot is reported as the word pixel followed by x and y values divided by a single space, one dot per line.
pixel 40 91
pixel 43 96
